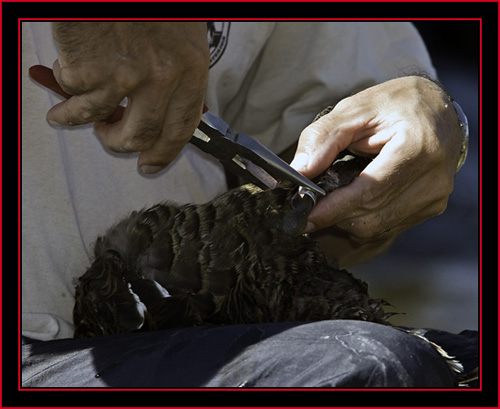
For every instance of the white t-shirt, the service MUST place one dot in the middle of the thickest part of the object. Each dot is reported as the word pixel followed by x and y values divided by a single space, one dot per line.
pixel 266 79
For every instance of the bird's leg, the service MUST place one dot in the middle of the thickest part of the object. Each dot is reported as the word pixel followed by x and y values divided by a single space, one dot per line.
pixel 342 171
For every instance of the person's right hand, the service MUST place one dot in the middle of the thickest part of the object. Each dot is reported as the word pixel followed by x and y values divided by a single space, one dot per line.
pixel 160 67
pixel 411 128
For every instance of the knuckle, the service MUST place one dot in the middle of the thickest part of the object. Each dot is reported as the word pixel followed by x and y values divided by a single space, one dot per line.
pixel 196 55
pixel 363 229
pixel 343 105
pixel 438 202
pixel 142 138
pixel 371 197
pixel 85 110
pixel 126 79
pixel 124 140
pixel 439 207
pixel 70 116
pixel 182 121
pixel 77 81
pixel 71 85
pixel 97 110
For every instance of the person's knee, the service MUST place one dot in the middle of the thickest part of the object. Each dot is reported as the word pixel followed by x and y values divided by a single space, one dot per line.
pixel 374 355
pixel 345 353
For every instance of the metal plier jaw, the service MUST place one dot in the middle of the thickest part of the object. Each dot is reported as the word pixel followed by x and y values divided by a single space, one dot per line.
pixel 246 157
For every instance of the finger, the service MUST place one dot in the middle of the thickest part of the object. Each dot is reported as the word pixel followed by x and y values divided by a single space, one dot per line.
pixel 321 141
pixel 90 102
pixel 379 183
pixel 375 226
pixel 342 204
pixel 391 220
pixel 183 116
pixel 140 125
pixel 155 112
pixel 45 76
pixel 337 245
pixel 319 144
pixel 90 107
pixel 70 79
pixel 408 208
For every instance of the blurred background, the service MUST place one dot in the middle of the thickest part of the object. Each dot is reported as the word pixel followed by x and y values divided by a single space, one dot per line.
pixel 431 273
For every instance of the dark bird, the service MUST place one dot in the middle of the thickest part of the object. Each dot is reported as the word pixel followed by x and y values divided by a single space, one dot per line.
pixel 240 258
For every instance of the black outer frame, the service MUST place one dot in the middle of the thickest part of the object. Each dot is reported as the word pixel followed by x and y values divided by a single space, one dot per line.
pixel 486 11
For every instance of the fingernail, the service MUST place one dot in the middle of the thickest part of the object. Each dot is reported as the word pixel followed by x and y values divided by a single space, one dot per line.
pixel 310 227
pixel 53 123
pixel 150 169
pixel 300 161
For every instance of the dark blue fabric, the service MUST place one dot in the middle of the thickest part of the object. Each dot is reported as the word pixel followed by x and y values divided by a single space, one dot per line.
pixel 341 354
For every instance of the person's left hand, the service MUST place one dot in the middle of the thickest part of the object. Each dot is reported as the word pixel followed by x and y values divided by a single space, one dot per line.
pixel 411 128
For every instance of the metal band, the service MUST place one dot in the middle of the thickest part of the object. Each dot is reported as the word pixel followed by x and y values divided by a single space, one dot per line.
pixel 464 127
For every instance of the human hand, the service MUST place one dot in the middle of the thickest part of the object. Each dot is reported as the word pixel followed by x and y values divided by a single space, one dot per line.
pixel 160 67
pixel 411 128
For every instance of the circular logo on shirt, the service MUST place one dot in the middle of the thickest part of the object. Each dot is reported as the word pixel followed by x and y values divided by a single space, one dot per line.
pixel 218 33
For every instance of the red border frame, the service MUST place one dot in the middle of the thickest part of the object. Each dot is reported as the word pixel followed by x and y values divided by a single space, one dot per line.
pixel 252 19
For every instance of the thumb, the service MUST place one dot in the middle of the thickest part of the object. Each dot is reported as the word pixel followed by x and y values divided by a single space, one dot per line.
pixel 338 206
